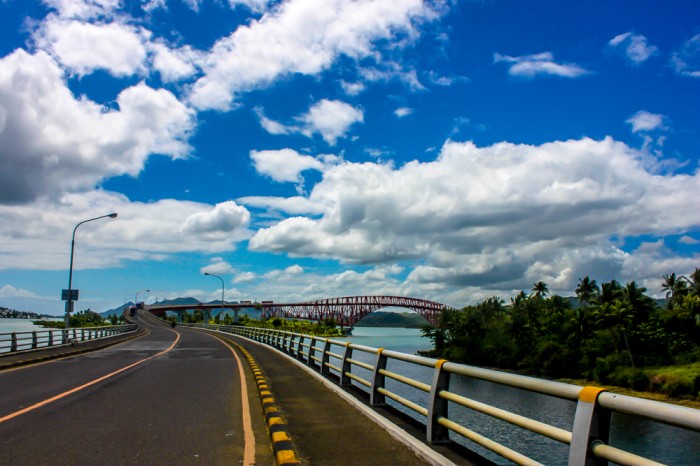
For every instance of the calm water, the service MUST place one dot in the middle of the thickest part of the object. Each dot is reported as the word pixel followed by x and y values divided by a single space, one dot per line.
pixel 22 325
pixel 662 443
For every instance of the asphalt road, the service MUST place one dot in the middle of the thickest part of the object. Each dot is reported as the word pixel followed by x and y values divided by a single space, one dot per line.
pixel 181 406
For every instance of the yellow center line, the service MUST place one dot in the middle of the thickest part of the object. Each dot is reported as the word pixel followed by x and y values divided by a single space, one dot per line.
pixel 81 387
pixel 248 436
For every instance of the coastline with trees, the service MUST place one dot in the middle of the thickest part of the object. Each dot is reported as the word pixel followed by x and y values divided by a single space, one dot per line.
pixel 611 334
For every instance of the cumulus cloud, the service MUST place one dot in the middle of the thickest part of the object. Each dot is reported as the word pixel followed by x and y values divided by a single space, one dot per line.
pixel 330 118
pixel 530 66
pixel 686 61
pixel 244 277
pixel 497 216
pixel 35 236
pixel 284 165
pixel 218 266
pixel 51 142
pixel 403 111
pixel 304 37
pixel 223 218
pixel 174 64
pixel 84 47
pixel 9 291
pixel 643 121
pixel 634 46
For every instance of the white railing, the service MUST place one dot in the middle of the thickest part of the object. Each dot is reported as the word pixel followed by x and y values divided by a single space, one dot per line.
pixel 38 339
pixel 588 440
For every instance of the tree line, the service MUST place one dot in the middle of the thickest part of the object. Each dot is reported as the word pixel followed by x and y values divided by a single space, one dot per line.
pixel 610 333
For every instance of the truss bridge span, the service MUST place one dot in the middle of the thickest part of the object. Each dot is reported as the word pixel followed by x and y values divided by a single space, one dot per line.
pixel 350 309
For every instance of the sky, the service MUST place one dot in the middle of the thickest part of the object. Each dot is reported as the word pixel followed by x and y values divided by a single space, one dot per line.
pixel 304 149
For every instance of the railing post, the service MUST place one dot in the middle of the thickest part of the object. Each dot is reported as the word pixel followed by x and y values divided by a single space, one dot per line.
pixel 325 359
pixel 591 423
pixel 300 348
pixel 13 344
pixel 51 337
pixel 312 352
pixel 346 366
pixel 437 407
pixel 377 398
pixel 35 341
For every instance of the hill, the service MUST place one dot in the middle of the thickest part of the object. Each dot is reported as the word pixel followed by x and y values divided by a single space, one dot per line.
pixel 393 319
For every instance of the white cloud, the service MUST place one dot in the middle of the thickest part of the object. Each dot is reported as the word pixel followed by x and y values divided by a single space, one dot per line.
pixel 52 142
pixel 635 47
pixel 495 217
pixel 84 47
pixel 223 218
pixel 403 111
pixel 35 236
pixel 285 165
pixel 9 291
pixel 244 277
pixel 686 61
pixel 330 118
pixel 218 266
pixel 352 88
pixel 688 240
pixel 643 121
pixel 530 66
pixel 174 64
pixel 301 36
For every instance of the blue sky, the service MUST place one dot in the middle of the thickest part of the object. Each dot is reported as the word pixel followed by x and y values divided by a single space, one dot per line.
pixel 307 149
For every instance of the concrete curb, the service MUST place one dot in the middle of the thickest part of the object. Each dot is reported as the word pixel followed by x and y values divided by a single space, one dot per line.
pixel 282 445
pixel 394 430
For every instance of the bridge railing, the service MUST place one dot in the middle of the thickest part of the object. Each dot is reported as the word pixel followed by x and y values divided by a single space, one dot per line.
pixel 38 339
pixel 588 439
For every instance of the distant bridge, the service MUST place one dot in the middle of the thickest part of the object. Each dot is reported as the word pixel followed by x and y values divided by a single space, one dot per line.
pixel 347 311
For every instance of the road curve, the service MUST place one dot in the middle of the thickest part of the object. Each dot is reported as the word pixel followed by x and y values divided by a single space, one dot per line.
pixel 171 397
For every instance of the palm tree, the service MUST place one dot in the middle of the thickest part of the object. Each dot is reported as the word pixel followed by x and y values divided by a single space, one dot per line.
pixel 540 289
pixel 675 287
pixel 586 290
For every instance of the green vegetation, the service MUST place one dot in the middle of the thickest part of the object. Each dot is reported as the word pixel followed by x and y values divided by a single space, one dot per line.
pixel 616 335
pixel 322 328
pixel 392 319
pixel 86 318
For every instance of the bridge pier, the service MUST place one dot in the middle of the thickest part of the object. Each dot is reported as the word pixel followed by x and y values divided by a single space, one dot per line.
pixel 179 314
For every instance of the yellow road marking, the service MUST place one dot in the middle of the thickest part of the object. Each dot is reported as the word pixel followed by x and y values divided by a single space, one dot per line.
pixel 81 387
pixel 248 436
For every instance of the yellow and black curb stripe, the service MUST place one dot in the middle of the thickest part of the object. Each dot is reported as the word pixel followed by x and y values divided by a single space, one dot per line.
pixel 282 446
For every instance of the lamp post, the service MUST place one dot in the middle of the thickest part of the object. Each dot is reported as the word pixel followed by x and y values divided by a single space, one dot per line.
pixel 71 295
pixel 136 296
pixel 222 291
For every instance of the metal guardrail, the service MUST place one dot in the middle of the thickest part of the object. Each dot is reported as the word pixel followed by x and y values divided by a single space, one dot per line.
pixel 588 439
pixel 40 339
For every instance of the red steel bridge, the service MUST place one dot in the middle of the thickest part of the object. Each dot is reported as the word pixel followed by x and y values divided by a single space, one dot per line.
pixel 346 311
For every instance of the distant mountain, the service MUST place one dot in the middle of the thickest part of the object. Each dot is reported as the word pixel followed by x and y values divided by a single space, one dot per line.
pixel 392 319
pixel 176 301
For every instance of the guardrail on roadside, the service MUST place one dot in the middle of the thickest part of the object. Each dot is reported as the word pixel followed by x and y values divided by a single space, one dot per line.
pixel 588 439
pixel 40 339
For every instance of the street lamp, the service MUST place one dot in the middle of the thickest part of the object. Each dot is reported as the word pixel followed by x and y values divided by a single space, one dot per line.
pixel 222 290
pixel 70 294
pixel 136 296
